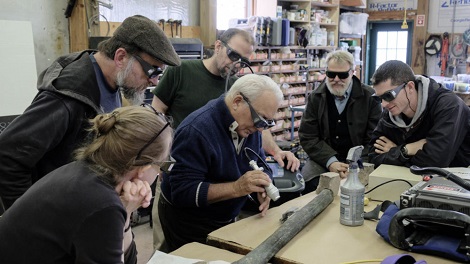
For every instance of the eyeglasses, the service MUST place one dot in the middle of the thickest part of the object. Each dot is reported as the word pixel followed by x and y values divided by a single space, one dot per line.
pixel 165 166
pixel 389 95
pixel 258 120
pixel 235 56
pixel 167 119
pixel 150 71
pixel 341 75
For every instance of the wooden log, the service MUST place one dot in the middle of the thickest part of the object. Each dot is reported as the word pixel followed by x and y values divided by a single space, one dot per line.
pixel 291 227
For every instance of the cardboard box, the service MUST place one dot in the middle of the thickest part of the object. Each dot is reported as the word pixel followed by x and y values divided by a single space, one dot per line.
pixel 390 191
pixel 356 3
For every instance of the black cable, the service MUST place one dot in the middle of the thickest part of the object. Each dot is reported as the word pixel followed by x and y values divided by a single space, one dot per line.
pixel 265 165
pixel 409 103
pixel 231 69
pixel 411 185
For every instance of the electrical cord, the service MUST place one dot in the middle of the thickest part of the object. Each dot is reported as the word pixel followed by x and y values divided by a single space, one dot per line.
pixel 231 69
pixel 395 180
pixel 363 261
pixel 265 165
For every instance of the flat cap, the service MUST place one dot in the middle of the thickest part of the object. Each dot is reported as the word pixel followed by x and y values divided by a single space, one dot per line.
pixel 144 33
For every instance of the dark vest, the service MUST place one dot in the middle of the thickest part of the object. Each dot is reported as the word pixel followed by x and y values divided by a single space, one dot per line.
pixel 339 132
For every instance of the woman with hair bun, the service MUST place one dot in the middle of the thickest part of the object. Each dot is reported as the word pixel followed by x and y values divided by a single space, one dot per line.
pixel 80 212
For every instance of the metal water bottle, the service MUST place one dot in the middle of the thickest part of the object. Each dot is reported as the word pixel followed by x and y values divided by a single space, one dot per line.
pixel 352 192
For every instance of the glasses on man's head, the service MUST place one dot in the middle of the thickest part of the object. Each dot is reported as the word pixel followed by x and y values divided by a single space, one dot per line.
pixel 150 71
pixel 258 120
pixel 341 75
pixel 165 118
pixel 235 56
pixel 389 95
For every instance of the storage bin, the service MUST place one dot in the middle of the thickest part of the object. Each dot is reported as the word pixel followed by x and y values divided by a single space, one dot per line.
pixel 353 23
pixel 360 24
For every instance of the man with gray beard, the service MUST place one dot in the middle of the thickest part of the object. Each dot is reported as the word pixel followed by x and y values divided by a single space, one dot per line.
pixel 75 88
pixel 341 113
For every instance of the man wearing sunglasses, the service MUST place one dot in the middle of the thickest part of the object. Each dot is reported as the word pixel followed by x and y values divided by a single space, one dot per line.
pixel 423 123
pixel 341 113
pixel 75 88
pixel 211 179
pixel 185 88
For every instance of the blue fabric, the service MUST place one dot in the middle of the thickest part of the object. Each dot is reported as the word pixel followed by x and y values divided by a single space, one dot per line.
pixel 439 245
pixel 384 223
pixel 205 154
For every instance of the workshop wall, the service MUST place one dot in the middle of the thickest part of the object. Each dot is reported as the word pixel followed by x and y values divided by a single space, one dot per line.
pixel 185 10
pixel 49 25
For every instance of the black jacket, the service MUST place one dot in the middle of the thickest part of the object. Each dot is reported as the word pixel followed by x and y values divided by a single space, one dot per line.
pixel 363 115
pixel 45 135
pixel 445 123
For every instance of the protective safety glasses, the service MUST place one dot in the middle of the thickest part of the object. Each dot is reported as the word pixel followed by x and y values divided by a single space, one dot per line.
pixel 341 75
pixel 258 120
pixel 389 95
pixel 150 71
pixel 165 118
pixel 235 56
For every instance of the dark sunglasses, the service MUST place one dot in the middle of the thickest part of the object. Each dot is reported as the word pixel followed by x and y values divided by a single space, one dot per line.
pixel 341 75
pixel 165 118
pixel 235 56
pixel 389 95
pixel 150 71
pixel 258 120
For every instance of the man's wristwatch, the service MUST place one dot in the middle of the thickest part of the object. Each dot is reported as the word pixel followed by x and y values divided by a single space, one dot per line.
pixel 404 151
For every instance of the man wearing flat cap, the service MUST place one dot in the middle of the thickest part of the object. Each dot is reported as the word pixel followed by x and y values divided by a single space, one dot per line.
pixel 75 88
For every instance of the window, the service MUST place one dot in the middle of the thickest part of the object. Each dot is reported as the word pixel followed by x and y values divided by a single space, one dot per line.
pixel 230 9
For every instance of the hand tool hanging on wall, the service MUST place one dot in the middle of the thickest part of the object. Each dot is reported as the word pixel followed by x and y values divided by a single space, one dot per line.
pixel 458 47
pixel 179 23
pixel 171 22
pixel 161 22
pixel 433 45
pixel 291 227
pixel 444 53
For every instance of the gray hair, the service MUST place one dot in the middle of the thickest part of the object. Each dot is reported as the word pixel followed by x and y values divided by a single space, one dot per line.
pixel 231 32
pixel 252 86
pixel 341 56
pixel 397 71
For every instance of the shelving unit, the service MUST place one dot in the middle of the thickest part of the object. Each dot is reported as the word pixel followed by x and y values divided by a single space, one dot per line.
pixel 360 40
pixel 330 22
pixel 296 79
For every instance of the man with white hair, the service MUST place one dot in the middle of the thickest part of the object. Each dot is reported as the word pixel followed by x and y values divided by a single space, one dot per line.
pixel 341 113
pixel 212 179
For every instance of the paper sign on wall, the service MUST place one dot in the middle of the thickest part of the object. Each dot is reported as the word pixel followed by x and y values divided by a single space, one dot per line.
pixel 391 5
pixel 420 20
pixel 451 16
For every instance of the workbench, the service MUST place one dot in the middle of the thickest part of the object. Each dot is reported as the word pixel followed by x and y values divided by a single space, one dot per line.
pixel 323 240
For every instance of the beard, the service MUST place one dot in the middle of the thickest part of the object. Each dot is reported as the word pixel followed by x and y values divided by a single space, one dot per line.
pixel 134 95
pixel 230 70
pixel 337 88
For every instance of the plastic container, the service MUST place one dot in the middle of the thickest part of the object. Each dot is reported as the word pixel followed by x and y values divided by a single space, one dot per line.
pixel 331 38
pixel 291 36
pixel 360 23
pixel 346 21
pixel 285 32
pixel 352 199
